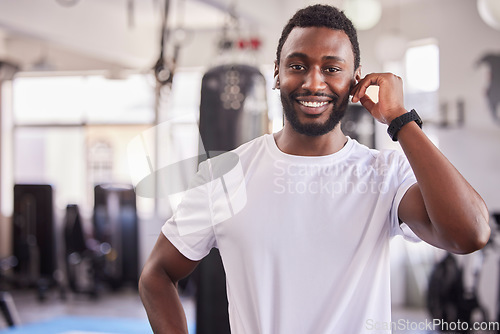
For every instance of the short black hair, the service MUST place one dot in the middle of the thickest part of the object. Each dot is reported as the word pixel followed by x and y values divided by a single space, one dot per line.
pixel 321 16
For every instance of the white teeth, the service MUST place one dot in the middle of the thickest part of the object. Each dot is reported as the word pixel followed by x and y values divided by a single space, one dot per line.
pixel 312 104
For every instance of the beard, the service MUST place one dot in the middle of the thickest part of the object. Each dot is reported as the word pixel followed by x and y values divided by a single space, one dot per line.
pixel 314 129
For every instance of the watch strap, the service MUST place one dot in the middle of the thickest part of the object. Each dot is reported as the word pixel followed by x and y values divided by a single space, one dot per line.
pixel 400 121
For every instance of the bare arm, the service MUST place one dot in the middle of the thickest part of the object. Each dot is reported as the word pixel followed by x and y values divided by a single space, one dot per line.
pixel 158 287
pixel 442 208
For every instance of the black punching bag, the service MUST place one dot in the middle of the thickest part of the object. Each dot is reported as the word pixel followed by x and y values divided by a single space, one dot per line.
pixel 233 110
pixel 233 106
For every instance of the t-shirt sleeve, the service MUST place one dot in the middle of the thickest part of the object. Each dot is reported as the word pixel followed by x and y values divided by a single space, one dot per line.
pixel 215 195
pixel 190 229
pixel 405 179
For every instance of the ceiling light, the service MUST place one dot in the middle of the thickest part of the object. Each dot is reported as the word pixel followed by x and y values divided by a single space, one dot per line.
pixel 489 10
pixel 364 14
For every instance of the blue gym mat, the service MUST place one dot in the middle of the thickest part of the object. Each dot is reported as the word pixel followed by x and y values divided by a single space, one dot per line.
pixel 83 325
pixel 87 325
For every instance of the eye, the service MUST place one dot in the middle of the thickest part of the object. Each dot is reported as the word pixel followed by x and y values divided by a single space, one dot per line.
pixel 297 67
pixel 332 69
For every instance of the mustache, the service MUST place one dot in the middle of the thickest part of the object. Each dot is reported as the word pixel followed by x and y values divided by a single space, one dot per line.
pixel 334 97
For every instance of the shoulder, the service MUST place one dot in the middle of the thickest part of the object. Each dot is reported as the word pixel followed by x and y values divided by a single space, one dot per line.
pixel 253 148
pixel 252 145
pixel 242 155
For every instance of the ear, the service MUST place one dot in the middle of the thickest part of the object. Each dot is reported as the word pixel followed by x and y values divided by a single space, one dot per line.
pixel 357 74
pixel 355 79
pixel 276 76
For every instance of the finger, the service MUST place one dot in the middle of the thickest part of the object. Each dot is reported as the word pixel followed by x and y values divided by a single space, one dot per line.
pixel 360 89
pixel 367 102
pixel 355 92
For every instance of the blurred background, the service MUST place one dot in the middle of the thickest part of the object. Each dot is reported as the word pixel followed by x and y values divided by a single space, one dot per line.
pixel 100 100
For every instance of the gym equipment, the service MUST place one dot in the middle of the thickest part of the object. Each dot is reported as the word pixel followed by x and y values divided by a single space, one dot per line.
pixel 233 107
pixel 7 305
pixel 33 235
pixel 115 228
pixel 447 296
pixel 84 257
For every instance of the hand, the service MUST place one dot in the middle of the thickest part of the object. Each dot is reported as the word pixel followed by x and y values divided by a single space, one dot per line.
pixel 390 96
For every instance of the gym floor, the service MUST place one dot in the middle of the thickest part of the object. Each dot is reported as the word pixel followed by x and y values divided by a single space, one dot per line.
pixel 126 303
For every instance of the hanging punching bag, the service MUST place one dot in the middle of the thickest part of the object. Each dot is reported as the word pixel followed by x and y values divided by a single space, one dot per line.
pixel 233 107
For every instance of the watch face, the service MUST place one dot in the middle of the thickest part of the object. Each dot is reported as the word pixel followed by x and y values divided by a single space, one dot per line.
pixel 416 117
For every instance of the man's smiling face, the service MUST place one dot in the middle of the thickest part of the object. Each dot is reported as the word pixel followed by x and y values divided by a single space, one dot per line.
pixel 316 73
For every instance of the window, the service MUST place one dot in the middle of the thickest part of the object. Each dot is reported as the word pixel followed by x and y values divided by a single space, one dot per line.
pixel 72 131
pixel 422 67
pixel 83 99
pixel 422 78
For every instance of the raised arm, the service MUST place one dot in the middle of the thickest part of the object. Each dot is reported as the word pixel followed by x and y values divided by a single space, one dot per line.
pixel 442 208
pixel 158 287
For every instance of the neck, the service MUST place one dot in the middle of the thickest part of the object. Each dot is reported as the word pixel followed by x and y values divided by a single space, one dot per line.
pixel 291 142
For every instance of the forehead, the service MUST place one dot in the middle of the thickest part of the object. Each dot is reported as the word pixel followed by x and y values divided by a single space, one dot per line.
pixel 318 42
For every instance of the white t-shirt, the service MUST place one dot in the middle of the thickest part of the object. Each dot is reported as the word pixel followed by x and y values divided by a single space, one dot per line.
pixel 304 240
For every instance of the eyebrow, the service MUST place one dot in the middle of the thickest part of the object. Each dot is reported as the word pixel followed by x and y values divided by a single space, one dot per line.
pixel 303 55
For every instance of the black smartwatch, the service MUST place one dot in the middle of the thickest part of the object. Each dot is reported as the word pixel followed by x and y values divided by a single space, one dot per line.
pixel 400 121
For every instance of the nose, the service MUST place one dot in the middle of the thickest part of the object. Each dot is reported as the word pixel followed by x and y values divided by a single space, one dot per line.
pixel 314 80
